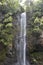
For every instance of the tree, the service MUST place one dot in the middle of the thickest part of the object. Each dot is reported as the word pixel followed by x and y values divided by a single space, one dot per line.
pixel 34 23
pixel 8 9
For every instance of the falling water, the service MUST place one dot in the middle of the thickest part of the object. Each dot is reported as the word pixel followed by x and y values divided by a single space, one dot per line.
pixel 23 39
pixel 21 44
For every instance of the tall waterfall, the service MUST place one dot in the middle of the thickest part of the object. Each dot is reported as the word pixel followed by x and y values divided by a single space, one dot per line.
pixel 23 39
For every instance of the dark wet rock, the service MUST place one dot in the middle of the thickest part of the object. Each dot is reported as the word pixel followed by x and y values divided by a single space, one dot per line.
pixel 9 55
pixel 8 61
pixel 2 46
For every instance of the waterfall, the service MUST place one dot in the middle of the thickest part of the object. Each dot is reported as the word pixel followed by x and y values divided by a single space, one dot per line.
pixel 21 43
pixel 23 39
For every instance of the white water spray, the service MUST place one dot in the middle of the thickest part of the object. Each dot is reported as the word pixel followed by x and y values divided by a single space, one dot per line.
pixel 23 39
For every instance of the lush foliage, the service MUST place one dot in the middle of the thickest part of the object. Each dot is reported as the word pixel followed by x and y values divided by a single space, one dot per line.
pixel 7 9
pixel 34 31
pixel 8 13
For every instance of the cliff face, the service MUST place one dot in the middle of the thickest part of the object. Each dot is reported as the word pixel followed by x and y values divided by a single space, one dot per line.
pixel 33 38
pixel 34 41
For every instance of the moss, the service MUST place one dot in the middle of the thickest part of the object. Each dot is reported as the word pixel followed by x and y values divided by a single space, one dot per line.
pixel 38 56
pixel 2 55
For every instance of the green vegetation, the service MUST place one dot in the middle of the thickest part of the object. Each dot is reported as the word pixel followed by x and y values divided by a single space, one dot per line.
pixel 2 55
pixel 8 10
pixel 37 58
pixel 9 29
pixel 34 32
